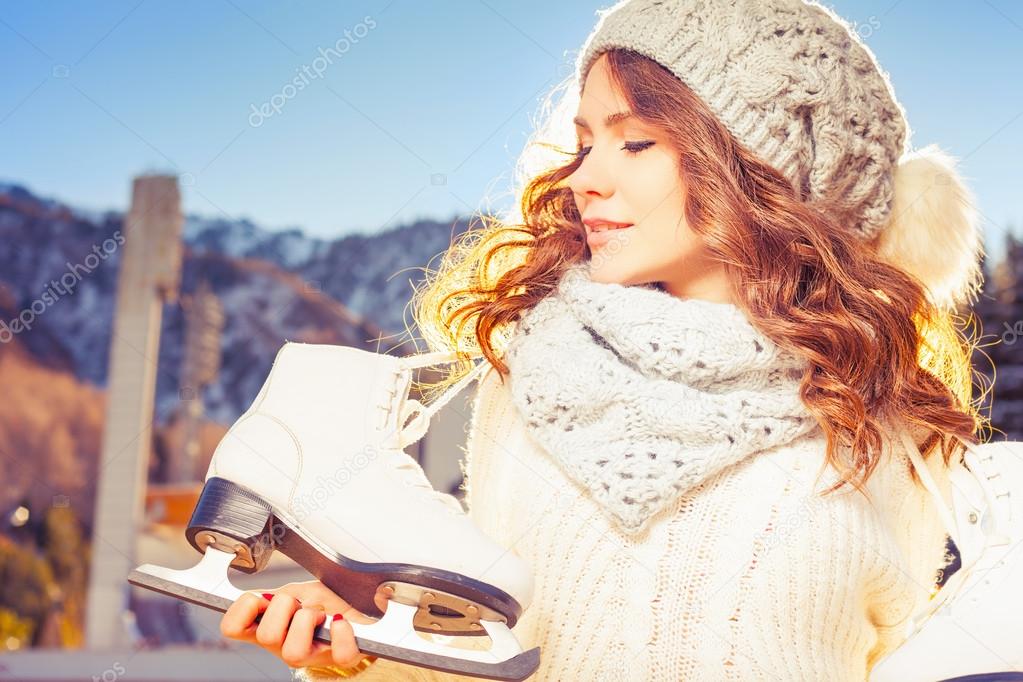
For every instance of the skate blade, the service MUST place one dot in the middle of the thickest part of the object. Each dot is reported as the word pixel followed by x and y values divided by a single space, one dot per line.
pixel 205 584
pixel 393 637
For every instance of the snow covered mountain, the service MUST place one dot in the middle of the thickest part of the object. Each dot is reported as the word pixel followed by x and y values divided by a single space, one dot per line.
pixel 244 239
pixel 369 274
pixel 273 286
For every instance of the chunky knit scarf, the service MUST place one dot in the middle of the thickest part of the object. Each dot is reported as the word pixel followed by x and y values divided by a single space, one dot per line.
pixel 640 395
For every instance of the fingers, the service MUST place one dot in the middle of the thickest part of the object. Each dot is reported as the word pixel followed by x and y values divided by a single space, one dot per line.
pixel 286 628
pixel 343 650
pixel 315 592
pixel 299 646
pixel 238 621
pixel 273 626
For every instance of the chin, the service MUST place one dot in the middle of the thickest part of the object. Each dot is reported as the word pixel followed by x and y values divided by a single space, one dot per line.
pixel 609 271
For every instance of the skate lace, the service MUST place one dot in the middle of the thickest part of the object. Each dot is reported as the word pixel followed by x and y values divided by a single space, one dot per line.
pixel 414 476
pixel 410 470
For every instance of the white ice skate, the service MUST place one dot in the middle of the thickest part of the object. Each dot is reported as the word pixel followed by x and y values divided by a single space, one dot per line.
pixel 315 469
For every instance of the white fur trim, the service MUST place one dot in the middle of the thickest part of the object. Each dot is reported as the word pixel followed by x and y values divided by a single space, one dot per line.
pixel 934 232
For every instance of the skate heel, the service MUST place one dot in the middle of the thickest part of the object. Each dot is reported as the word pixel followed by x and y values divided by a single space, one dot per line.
pixel 231 519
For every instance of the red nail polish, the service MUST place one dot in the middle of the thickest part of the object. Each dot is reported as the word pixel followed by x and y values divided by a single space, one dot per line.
pixel 336 617
pixel 268 595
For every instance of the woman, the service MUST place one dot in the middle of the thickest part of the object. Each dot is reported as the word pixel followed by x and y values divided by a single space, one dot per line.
pixel 707 323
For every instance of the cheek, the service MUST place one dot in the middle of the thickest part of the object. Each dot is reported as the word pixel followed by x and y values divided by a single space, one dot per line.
pixel 663 211
pixel 659 185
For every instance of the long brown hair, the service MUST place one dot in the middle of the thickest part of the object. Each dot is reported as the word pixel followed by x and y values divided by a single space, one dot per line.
pixel 877 347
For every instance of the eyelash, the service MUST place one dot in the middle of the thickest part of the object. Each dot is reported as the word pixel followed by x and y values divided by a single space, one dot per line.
pixel 630 147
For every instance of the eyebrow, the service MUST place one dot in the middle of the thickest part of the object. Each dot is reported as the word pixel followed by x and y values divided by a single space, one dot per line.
pixel 609 121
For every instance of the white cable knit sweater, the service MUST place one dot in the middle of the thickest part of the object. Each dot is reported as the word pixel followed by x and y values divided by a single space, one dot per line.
pixel 748 578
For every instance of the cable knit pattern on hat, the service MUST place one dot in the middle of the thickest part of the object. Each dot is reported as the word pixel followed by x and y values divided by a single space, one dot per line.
pixel 790 79
pixel 641 395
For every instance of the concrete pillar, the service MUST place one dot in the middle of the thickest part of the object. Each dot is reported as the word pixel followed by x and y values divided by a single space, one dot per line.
pixel 149 277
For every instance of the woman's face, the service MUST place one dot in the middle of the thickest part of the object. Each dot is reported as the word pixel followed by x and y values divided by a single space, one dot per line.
pixel 630 174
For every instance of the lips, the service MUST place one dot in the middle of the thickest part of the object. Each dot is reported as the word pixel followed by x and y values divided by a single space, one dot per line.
pixel 604 233
pixel 600 225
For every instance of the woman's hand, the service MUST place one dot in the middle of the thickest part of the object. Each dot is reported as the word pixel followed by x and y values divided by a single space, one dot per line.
pixel 290 616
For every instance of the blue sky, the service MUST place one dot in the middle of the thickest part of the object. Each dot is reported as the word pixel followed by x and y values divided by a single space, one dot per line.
pixel 424 112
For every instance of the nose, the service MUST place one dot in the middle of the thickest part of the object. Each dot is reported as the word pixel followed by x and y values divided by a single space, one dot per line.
pixel 591 178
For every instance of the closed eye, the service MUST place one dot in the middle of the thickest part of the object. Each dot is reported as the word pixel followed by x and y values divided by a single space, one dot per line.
pixel 637 147
pixel 630 147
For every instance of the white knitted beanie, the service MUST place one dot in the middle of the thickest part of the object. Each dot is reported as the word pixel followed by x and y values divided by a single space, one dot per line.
pixel 792 82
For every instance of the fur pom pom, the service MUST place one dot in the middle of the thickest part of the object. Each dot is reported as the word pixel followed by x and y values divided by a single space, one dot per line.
pixel 933 232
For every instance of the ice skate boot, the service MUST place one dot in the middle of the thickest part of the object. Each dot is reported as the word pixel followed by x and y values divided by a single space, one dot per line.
pixel 315 468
